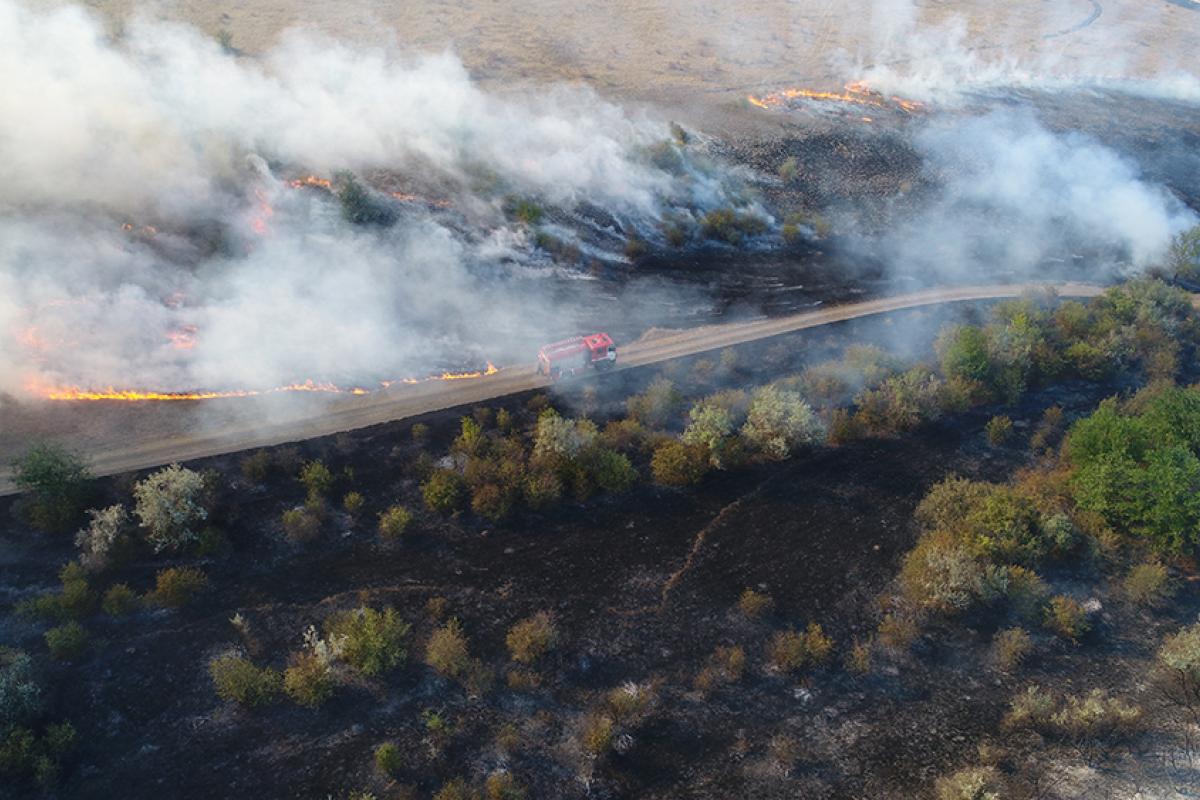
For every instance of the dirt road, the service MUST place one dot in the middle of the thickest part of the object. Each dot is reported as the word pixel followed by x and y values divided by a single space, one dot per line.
pixel 131 453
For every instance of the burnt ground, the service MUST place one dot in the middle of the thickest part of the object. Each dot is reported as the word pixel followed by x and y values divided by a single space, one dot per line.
pixel 822 533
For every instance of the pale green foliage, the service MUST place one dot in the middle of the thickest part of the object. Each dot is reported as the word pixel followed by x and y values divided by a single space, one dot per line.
pixel 779 421
pixel 941 573
pixel 394 521
pixel 238 679
pixel 95 542
pixel 1181 652
pixel 1183 259
pixel 710 425
pixel 170 506
pixel 559 436
pixel 371 641
pixel 1148 585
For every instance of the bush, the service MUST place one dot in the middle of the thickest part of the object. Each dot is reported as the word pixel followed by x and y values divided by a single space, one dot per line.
pixel 725 665
pixel 67 642
pixel 394 521
pixel 779 421
pixel 420 433
pixel 542 489
pixel 388 759
pixel 96 541
pixel 787 652
pixel 1010 647
pixel 729 226
pixel 677 464
pixel 1179 656
pixel 56 482
pixel 300 525
pixel 754 604
pixel 447 650
pixel 444 492
pixel 559 438
pixel 353 503
pixel 941 573
pixel 597 735
pixel 858 659
pixel 456 789
pixel 119 600
pixel 175 586
pixel 611 471
pixel 170 505
pixel 972 783
pixel 1067 618
pixel 897 632
pixel 317 479
pixel 817 645
pixel 657 406
pixel 531 638
pixel 239 680
pixel 372 641
pixel 76 598
pixel 1095 716
pixel 308 680
pixel 1148 585
pixel 256 466
pixel 501 785
pixel 359 205
pixel 1031 708
pixel 20 693
pixel 999 430
pixel 491 502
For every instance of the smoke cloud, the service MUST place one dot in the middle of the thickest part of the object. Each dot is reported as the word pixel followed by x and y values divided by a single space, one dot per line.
pixel 148 239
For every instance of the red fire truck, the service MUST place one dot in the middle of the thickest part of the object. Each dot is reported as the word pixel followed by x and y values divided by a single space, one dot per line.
pixel 571 356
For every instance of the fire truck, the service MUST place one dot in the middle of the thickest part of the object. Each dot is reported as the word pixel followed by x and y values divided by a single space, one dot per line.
pixel 572 356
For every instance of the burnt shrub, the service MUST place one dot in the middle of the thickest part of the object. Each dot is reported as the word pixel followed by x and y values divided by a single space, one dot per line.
pixel 1010 647
pixel 726 665
pixel 238 680
pixel 373 641
pixel 532 638
pixel 597 734
pixel 56 484
pixel 444 492
pixel 174 587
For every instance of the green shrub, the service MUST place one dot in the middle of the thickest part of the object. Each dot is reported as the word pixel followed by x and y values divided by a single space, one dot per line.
pixel 1179 657
pixel 677 464
pixel 394 521
pixel 256 466
pixel 174 587
pixel 373 641
pixel 239 680
pixel 353 503
pixel 388 759
pixel 1149 585
pixel 76 598
pixel 56 483
pixel 1095 715
pixel 1010 647
pixel 941 573
pixel 628 703
pixel 491 501
pixel 611 471
pixel 1066 617
pixel 1031 708
pixel 456 789
pixel 729 226
pixel 542 489
pixel 170 504
pixel 119 600
pixel 754 604
pixel 316 478
pixel 360 206
pixel 999 430
pixel 447 650
pixel 532 638
pixel 97 541
pixel 444 492
pixel 308 680
pixel 67 642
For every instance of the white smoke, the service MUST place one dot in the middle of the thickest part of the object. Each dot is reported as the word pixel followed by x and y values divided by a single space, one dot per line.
pixel 164 128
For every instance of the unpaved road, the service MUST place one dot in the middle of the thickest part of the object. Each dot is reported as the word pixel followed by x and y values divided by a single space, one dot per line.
pixel 131 453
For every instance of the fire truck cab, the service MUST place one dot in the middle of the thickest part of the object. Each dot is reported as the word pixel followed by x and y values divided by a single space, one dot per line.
pixel 572 356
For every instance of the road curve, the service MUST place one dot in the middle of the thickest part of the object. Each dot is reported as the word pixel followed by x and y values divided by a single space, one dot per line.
pixel 408 401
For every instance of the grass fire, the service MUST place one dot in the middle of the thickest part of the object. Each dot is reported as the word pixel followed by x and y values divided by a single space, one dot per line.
pixel 631 400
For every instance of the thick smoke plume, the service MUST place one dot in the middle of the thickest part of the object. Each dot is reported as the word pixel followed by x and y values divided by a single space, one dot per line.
pixel 147 237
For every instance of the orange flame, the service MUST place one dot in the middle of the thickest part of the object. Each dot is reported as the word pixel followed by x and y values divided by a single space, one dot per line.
pixel 311 180
pixel 139 395
pixel 856 93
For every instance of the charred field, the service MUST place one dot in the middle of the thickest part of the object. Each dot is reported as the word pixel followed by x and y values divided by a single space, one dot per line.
pixel 641 586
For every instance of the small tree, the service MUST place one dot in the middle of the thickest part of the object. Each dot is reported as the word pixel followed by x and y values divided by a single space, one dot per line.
pixel 67 642
pixel 372 641
pixel 317 479
pixel 56 482
pixel 239 680
pixel 677 464
pixel 170 506
pixel 447 650
pixel 388 759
